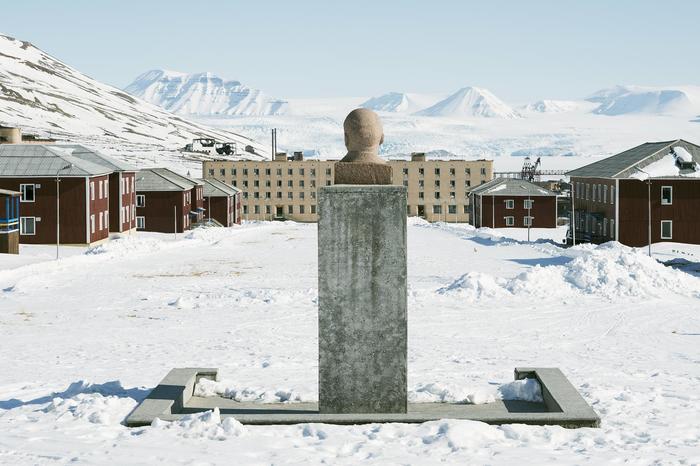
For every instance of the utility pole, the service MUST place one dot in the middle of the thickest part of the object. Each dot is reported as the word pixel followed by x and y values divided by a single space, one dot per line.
pixel 58 207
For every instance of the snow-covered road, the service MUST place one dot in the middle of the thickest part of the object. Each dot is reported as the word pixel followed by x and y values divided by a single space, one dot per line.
pixel 85 338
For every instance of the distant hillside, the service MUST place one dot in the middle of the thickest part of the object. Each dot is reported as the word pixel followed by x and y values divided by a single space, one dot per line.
pixel 621 100
pixel 203 94
pixel 41 93
pixel 470 102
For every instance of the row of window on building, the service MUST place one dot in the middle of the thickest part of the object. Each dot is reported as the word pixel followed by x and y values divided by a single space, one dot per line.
pixel 312 172
pixel 598 193
pixel 510 221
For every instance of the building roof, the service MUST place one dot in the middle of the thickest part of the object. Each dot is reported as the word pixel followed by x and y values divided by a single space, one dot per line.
pixel 43 160
pixel 163 179
pixel 626 163
pixel 511 187
pixel 216 188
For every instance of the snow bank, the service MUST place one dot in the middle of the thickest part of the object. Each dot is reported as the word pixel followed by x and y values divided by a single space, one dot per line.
pixel 207 425
pixel 610 270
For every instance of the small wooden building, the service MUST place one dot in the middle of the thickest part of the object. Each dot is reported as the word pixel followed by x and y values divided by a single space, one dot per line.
pixel 9 221
pixel 222 202
pixel 75 177
pixel 167 202
pixel 614 197
pixel 513 203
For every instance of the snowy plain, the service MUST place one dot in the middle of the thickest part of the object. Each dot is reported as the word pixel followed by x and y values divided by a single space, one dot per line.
pixel 84 339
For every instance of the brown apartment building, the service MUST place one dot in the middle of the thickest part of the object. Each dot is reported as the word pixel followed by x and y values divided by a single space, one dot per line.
pixel 513 203
pixel 286 188
pixel 167 202
pixel 71 177
pixel 654 186
pixel 222 202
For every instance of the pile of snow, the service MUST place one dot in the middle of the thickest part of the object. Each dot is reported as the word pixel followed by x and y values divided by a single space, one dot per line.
pixel 610 271
pixel 522 390
pixel 621 100
pixel 228 389
pixel 206 425
pixel 202 94
pixel 44 95
pixel 470 102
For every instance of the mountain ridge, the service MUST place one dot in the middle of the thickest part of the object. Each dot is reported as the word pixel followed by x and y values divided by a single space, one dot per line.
pixel 203 93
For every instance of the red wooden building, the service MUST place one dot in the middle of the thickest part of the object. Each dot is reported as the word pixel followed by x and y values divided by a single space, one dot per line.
pixel 222 202
pixel 167 202
pixel 70 179
pixel 649 193
pixel 510 202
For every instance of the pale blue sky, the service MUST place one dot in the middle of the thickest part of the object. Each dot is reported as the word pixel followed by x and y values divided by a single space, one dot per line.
pixel 521 50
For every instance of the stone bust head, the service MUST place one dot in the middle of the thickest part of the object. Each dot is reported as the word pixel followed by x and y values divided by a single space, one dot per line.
pixel 363 136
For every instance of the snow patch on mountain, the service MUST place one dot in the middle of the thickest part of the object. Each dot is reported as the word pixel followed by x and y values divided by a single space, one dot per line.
pixel 555 106
pixel 399 102
pixel 203 94
pixel 621 100
pixel 471 102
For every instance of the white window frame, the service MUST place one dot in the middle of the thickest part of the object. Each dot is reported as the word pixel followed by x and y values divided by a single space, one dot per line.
pixel 142 220
pixel 92 190
pixel 22 230
pixel 101 221
pixel 92 223
pixel 510 204
pixel 99 189
pixel 143 198
pixel 526 202
pixel 670 188
pixel 605 194
pixel 126 213
pixel 22 188
pixel 527 221
pixel 510 220
pixel 662 229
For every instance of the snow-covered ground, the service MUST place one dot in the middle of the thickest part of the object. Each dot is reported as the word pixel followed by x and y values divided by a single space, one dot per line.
pixel 84 339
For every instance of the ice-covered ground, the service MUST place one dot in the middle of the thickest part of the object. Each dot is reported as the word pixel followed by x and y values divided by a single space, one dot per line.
pixel 86 337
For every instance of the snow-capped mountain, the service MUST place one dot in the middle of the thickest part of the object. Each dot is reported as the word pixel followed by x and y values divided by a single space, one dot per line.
pixel 621 100
pixel 399 102
pixel 42 94
pixel 471 102
pixel 555 106
pixel 203 94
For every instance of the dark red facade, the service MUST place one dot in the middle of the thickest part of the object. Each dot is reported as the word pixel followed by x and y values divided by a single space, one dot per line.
pixel 122 201
pixel 80 208
pixel 494 212
pixel 165 211
pixel 625 216
pixel 224 209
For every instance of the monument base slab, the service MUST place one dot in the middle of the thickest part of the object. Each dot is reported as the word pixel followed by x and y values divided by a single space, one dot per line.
pixel 174 398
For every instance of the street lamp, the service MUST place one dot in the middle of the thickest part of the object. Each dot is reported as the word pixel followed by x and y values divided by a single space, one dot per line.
pixel 58 206
pixel 644 176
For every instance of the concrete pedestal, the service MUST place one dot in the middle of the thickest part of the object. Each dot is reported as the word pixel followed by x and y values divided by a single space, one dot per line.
pixel 362 299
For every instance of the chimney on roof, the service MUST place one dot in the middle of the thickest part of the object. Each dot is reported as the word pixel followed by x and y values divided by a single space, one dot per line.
pixel 280 156
pixel 417 156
